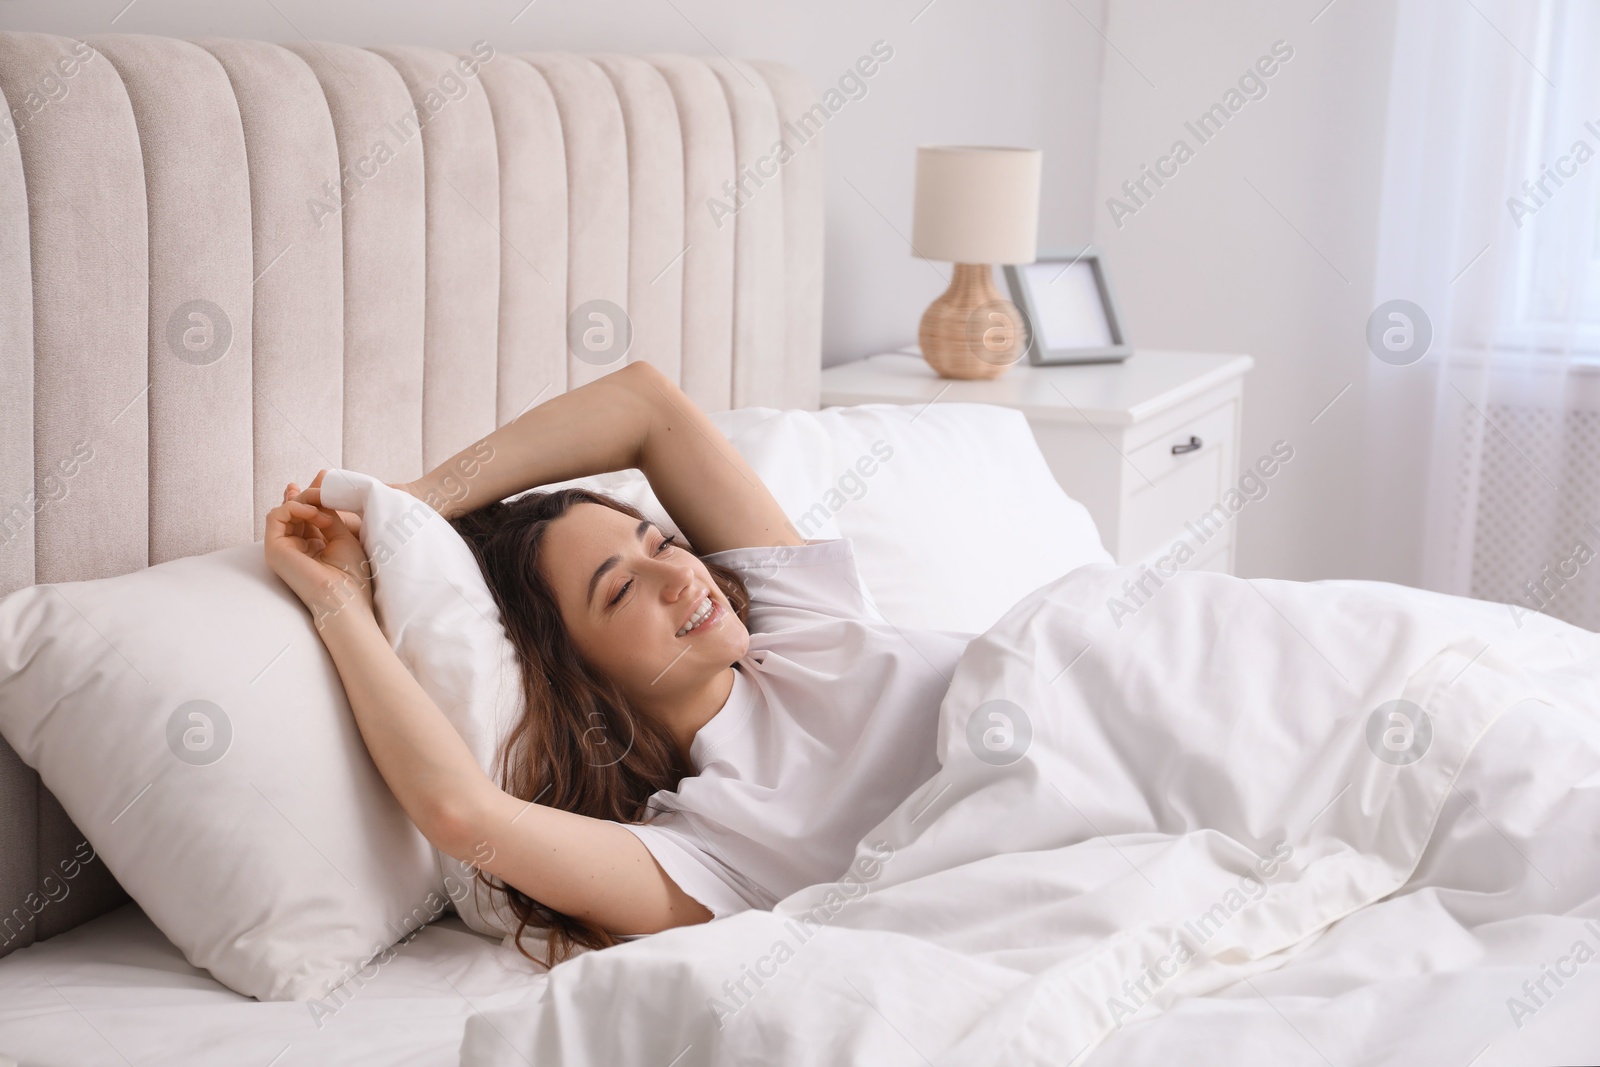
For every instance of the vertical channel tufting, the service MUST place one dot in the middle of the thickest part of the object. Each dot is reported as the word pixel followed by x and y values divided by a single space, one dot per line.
pixel 298 316
pixel 462 188
pixel 758 303
pixel 533 227
pixel 380 211
pixel 83 169
pixel 802 236
pixel 597 192
pixel 708 162
pixel 19 786
pixel 17 498
pixel 655 210
pixel 198 196
pixel 87 238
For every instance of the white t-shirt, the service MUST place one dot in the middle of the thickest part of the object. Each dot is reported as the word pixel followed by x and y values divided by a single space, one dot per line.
pixel 830 725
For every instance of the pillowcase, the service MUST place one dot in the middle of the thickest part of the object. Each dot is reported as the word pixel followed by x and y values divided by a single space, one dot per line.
pixel 952 510
pixel 435 608
pixel 192 724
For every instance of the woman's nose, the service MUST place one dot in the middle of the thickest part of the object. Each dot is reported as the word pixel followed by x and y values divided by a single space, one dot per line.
pixel 678 579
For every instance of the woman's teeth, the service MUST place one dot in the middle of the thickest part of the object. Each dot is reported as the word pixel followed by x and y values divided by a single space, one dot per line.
pixel 700 615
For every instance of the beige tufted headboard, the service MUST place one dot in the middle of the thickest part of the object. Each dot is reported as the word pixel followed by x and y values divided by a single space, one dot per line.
pixel 226 264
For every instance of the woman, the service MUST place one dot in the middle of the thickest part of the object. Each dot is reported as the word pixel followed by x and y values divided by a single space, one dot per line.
pixel 707 728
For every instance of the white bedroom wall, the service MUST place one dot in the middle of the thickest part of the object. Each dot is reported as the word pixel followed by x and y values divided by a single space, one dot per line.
pixel 1018 72
pixel 1264 242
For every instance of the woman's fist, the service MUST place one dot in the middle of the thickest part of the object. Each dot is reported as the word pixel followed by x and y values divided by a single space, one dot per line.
pixel 317 554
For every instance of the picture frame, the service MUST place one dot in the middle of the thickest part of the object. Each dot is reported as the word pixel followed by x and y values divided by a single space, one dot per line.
pixel 1066 301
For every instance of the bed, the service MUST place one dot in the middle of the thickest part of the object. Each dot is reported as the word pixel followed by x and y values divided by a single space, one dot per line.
pixel 1257 821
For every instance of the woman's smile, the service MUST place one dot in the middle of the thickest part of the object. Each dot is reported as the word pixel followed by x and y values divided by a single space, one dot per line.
pixel 707 613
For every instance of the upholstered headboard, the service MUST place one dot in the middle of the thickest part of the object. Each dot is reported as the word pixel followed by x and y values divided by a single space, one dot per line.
pixel 226 264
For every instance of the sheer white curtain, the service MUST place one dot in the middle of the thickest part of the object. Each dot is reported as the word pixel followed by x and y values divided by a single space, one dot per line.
pixel 1484 461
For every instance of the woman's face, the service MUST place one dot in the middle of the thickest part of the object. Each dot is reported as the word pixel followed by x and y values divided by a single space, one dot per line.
pixel 641 609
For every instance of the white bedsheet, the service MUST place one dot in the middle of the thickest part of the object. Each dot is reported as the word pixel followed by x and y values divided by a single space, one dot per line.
pixel 116 992
pixel 1210 756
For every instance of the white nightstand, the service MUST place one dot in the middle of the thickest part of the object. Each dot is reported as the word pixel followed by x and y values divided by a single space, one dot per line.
pixel 1148 445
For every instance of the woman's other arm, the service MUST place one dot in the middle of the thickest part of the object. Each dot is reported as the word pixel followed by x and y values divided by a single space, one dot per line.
pixel 633 418
pixel 588 868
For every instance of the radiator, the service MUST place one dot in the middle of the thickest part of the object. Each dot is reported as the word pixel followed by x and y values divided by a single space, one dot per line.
pixel 1535 518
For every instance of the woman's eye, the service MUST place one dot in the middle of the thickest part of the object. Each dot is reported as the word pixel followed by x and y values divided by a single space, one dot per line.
pixel 666 543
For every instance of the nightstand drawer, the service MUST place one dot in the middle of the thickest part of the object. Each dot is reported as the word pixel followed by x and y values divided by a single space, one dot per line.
pixel 1156 460
pixel 1172 489
pixel 1154 513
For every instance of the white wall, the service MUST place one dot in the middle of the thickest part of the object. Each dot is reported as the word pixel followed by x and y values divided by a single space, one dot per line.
pixel 1283 270
pixel 1020 72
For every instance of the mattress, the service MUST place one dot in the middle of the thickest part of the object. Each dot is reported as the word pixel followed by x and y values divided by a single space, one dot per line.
pixel 115 991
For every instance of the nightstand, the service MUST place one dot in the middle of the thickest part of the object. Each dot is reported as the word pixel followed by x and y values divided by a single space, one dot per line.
pixel 1150 445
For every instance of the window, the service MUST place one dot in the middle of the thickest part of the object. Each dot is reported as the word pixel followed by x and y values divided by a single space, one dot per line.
pixel 1552 297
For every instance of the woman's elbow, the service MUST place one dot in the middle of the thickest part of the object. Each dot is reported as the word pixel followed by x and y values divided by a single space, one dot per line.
pixel 650 386
pixel 454 823
pixel 642 370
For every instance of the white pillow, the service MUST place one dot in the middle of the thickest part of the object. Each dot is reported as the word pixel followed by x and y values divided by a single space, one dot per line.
pixel 192 724
pixel 952 510
pixel 436 610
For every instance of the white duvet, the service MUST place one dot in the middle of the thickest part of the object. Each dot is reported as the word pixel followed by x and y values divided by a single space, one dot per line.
pixel 1203 829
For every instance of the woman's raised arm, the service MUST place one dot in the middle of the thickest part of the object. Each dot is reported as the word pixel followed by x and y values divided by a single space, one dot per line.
pixel 588 868
pixel 635 417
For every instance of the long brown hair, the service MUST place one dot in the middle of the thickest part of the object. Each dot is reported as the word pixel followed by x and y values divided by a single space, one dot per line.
pixel 579 745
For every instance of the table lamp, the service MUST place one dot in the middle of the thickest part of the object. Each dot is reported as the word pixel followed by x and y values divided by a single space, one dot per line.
pixel 975 206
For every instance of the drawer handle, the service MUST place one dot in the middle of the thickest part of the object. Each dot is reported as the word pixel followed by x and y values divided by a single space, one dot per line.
pixel 1193 446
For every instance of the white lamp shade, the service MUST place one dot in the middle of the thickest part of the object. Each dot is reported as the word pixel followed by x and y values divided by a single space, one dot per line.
pixel 976 204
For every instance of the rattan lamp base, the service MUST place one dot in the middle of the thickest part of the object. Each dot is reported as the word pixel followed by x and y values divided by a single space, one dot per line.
pixel 971 331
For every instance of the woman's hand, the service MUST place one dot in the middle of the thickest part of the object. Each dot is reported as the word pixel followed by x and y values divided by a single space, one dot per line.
pixel 317 554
